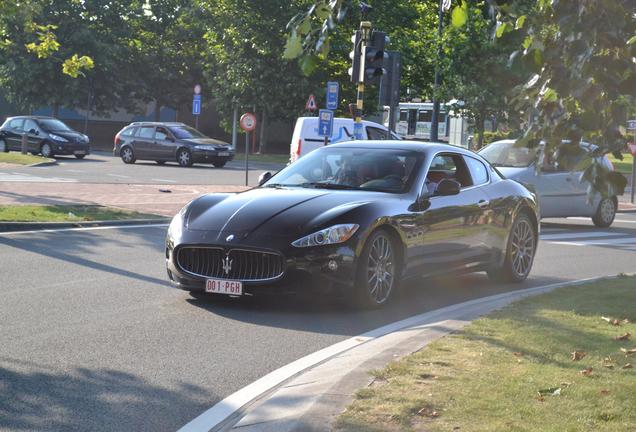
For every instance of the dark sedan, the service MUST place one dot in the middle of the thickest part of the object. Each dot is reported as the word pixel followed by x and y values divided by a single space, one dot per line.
pixel 46 135
pixel 170 142
pixel 357 218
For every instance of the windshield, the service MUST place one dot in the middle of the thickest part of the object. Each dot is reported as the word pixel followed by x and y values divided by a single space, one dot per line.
pixel 505 154
pixel 382 170
pixel 53 125
pixel 185 132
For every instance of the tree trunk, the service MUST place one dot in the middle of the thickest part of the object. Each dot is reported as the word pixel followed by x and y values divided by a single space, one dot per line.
pixel 56 110
pixel 263 133
pixel 157 110
pixel 479 128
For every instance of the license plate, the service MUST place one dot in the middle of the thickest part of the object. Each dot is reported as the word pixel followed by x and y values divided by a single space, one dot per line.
pixel 222 286
pixel 224 153
pixel 79 152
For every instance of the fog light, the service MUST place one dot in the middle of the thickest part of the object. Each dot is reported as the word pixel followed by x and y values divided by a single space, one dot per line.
pixel 333 265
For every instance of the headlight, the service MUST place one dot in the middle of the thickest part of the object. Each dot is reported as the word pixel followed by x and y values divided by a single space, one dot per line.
pixel 176 225
pixel 205 147
pixel 57 138
pixel 331 235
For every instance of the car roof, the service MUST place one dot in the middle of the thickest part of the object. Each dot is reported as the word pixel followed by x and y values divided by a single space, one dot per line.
pixel 419 146
pixel 33 117
pixel 150 123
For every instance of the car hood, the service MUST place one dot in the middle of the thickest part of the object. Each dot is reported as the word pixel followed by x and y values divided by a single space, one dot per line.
pixel 278 212
pixel 207 141
pixel 514 173
pixel 72 136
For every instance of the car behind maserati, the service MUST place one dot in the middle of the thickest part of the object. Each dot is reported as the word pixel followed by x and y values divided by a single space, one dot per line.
pixel 357 218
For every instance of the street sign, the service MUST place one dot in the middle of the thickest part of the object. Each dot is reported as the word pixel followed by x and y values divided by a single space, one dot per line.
pixel 325 122
pixel 357 131
pixel 631 124
pixel 196 104
pixel 311 103
pixel 248 122
pixel 332 95
pixel 197 89
pixel 632 148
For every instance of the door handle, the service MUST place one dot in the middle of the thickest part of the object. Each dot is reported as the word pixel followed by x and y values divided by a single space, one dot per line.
pixel 483 203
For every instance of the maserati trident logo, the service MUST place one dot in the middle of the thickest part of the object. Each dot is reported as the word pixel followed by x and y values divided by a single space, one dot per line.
pixel 227 265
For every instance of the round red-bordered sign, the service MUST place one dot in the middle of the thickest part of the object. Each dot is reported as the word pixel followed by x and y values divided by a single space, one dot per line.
pixel 248 122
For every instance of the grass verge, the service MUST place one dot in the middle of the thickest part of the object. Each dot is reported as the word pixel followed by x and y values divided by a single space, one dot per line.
pixel 20 159
pixel 514 370
pixel 623 166
pixel 66 213
pixel 265 157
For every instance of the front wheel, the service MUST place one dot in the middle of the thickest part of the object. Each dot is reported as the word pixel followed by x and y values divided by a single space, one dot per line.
pixel 46 150
pixel 605 213
pixel 3 146
pixel 80 156
pixel 184 158
pixel 378 272
pixel 522 245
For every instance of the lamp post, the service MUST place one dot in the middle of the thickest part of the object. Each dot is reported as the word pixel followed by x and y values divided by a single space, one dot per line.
pixel 443 5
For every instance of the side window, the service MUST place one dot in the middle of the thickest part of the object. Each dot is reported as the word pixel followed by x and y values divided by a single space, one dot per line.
pixel 130 131
pixel 30 126
pixel 447 166
pixel 404 115
pixel 147 132
pixel 16 124
pixel 424 116
pixel 478 171
pixel 374 133
pixel 161 133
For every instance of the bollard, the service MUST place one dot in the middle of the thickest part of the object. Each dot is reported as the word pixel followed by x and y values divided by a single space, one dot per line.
pixel 24 142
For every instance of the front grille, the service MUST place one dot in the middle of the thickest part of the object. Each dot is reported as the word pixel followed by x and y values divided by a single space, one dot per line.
pixel 235 264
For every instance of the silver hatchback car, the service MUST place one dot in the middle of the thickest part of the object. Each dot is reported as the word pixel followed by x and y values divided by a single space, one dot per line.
pixel 561 191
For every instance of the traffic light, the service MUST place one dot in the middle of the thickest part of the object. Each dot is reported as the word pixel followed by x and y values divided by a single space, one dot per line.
pixel 374 56
pixel 355 56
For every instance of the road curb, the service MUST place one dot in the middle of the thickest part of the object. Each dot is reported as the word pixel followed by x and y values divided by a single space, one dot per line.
pixel 308 393
pixel 46 163
pixel 38 226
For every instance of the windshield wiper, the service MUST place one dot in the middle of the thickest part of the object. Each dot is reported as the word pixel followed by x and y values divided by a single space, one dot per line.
pixel 321 185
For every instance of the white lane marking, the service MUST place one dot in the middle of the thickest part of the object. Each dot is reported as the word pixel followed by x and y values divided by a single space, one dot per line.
pixel 9 233
pixel 615 220
pixel 164 180
pixel 229 406
pixel 580 235
pixel 75 171
pixel 17 177
pixel 609 242
pixel 118 175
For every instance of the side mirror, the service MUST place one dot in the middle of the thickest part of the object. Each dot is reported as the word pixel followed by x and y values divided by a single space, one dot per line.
pixel 448 187
pixel 33 132
pixel 169 138
pixel 264 177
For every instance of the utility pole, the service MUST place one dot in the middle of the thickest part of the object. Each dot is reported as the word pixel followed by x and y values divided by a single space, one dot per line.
pixel 435 117
pixel 365 36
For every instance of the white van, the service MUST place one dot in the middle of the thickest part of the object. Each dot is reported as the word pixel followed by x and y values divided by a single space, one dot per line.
pixel 305 137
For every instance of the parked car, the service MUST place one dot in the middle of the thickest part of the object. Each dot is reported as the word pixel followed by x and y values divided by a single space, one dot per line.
pixel 305 137
pixel 557 181
pixel 46 135
pixel 170 142
pixel 357 217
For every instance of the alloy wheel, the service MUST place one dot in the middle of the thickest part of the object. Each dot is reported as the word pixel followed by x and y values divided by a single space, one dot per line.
pixel 127 155
pixel 3 146
pixel 608 210
pixel 380 269
pixel 46 150
pixel 184 158
pixel 523 246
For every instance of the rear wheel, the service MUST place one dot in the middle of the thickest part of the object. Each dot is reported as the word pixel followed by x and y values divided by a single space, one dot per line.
pixel 3 146
pixel 520 250
pixel 605 213
pixel 127 155
pixel 184 157
pixel 378 271
pixel 219 164
pixel 46 150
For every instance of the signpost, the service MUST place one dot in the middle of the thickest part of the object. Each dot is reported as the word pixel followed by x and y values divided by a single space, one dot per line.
pixel 196 105
pixel 248 124
pixel 631 125
pixel 333 88
pixel 325 124
pixel 311 103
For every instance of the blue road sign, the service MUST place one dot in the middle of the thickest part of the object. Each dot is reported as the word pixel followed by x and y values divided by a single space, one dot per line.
pixel 357 131
pixel 325 122
pixel 631 124
pixel 332 95
pixel 196 104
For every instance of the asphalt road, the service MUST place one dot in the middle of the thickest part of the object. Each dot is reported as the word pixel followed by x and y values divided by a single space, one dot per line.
pixel 105 168
pixel 93 338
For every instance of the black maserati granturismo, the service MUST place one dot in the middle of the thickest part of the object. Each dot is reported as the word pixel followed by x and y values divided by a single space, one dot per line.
pixel 358 218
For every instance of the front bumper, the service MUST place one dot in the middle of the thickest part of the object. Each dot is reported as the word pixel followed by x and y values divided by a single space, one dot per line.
pixel 212 156
pixel 305 268
pixel 70 148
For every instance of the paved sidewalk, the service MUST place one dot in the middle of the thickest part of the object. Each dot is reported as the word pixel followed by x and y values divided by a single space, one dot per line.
pixel 143 198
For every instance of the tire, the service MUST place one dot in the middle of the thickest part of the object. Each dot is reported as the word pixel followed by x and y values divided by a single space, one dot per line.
pixel 605 213
pixel 46 150
pixel 219 164
pixel 127 155
pixel 160 162
pixel 378 272
pixel 4 148
pixel 520 252
pixel 184 157
pixel 80 156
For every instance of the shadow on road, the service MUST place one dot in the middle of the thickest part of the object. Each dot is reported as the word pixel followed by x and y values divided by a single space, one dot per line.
pixel 91 400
